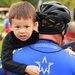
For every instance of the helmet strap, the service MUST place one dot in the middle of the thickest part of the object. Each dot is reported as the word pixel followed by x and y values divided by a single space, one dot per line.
pixel 65 30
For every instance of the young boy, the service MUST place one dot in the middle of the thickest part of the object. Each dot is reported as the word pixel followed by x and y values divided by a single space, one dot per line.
pixel 47 51
pixel 22 17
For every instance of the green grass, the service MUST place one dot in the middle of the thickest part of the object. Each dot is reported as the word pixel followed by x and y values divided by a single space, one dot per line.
pixel 1 22
pixel 0 41
pixel 0 47
pixel 0 28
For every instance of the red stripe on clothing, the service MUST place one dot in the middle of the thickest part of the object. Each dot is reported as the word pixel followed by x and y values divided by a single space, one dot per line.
pixel 70 34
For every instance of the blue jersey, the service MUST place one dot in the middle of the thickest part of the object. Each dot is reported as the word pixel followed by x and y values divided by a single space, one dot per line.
pixel 6 25
pixel 2 72
pixel 48 56
pixel 6 22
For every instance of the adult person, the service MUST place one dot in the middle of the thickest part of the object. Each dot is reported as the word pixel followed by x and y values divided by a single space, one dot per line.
pixel 69 38
pixel 47 53
pixel 70 35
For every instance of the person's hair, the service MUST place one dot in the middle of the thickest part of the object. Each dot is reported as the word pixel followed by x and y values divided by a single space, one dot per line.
pixel 71 31
pixel 22 9
pixel 71 27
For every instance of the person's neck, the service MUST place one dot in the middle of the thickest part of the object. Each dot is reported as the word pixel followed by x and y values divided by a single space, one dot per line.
pixel 56 38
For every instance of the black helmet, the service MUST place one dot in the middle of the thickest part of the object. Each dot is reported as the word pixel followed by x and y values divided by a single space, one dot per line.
pixel 53 17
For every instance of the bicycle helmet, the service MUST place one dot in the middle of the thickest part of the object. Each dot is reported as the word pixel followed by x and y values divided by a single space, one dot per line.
pixel 52 17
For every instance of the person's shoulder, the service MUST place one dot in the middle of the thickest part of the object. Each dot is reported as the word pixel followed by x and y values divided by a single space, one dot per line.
pixel 35 34
pixel 10 33
pixel 9 36
pixel 70 45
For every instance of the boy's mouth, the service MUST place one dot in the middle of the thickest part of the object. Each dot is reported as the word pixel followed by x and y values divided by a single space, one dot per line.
pixel 22 36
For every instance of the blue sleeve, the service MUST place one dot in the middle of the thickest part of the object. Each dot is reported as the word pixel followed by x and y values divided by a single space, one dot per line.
pixel 6 22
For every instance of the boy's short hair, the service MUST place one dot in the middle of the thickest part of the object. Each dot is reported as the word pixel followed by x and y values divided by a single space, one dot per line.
pixel 22 9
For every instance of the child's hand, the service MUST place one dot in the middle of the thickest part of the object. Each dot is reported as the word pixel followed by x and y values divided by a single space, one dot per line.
pixel 32 70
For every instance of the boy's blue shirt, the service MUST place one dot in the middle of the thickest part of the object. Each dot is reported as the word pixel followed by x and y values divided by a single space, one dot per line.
pixel 48 56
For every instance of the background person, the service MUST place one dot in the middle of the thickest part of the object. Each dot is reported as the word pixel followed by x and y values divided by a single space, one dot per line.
pixel 70 35
pixel 69 38
pixel 47 53
pixel 6 27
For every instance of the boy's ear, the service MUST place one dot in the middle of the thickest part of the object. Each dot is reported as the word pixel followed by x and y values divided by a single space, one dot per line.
pixel 36 26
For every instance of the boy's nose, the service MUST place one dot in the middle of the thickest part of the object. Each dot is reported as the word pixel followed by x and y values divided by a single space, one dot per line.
pixel 22 30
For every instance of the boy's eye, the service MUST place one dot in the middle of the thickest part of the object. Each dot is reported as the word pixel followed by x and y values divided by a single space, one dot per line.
pixel 26 26
pixel 17 26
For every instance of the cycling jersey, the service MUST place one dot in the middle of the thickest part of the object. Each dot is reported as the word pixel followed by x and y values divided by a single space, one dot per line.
pixel 48 56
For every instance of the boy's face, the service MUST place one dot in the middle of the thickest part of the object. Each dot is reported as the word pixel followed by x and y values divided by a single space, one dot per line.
pixel 23 28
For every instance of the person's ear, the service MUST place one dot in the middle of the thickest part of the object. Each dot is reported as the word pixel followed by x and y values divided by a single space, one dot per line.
pixel 36 26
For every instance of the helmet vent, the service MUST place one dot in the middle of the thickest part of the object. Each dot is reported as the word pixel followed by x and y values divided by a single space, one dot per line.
pixel 61 9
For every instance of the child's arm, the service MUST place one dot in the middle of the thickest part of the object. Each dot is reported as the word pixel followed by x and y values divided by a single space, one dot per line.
pixel 7 61
pixel 9 64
